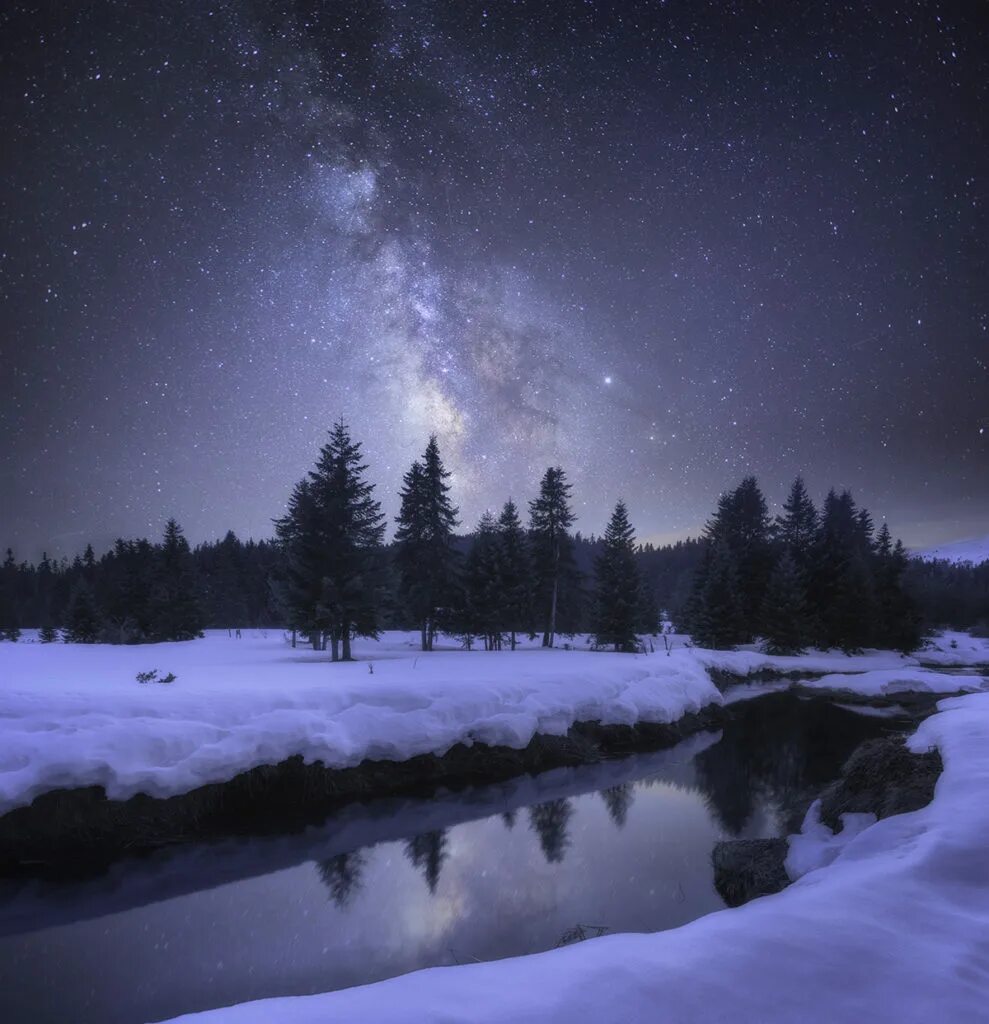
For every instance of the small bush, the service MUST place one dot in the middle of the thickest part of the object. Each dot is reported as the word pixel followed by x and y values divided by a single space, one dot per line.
pixel 153 677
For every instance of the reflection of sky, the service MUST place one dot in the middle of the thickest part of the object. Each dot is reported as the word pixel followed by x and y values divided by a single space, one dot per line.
pixel 281 933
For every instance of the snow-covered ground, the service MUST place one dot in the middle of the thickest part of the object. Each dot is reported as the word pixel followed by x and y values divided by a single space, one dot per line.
pixel 893 927
pixel 973 549
pixel 74 715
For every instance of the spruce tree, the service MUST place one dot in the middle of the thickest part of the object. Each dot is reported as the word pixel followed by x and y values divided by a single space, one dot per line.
pixel 332 534
pixel 786 625
pixel 515 573
pixel 897 623
pixel 796 528
pixel 840 578
pixel 48 634
pixel 298 581
pixel 176 613
pixel 424 550
pixel 483 600
pixel 9 618
pixel 741 526
pixel 83 621
pixel 714 612
pixel 617 585
pixel 550 517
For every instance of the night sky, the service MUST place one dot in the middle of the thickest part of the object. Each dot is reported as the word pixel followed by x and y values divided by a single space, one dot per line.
pixel 664 245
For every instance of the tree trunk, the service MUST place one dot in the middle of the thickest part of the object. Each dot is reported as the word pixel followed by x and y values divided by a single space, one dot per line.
pixel 293 639
pixel 335 648
pixel 346 646
pixel 513 639
pixel 425 642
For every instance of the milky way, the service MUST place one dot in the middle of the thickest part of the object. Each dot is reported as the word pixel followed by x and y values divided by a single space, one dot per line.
pixel 663 245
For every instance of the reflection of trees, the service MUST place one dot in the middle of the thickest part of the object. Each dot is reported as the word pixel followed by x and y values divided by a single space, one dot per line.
pixel 427 853
pixel 778 748
pixel 618 799
pixel 342 875
pixel 549 822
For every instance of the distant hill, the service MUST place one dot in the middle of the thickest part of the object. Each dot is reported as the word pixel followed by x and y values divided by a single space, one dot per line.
pixel 975 549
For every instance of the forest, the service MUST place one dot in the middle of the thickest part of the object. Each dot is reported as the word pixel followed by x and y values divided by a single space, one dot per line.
pixel 809 577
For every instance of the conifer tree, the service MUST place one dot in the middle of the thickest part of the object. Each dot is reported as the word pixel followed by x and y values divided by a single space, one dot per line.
pixel 82 618
pixel 483 601
pixel 48 634
pixel 9 618
pixel 342 876
pixel 786 623
pixel 515 573
pixel 424 552
pixel 741 526
pixel 897 623
pixel 714 613
pixel 840 579
pixel 176 613
pixel 617 585
pixel 332 534
pixel 618 799
pixel 796 528
pixel 550 517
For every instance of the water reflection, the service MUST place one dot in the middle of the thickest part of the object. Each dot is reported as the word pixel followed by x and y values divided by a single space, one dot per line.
pixel 391 887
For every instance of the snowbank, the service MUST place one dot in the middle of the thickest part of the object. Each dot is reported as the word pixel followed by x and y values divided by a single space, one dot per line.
pixel 884 682
pixel 893 929
pixel 74 716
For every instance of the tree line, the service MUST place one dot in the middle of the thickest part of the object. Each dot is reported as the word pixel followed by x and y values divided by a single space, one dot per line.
pixel 807 577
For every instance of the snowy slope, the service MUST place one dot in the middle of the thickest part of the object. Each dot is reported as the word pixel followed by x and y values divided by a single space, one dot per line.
pixel 975 549
pixel 893 929
pixel 73 715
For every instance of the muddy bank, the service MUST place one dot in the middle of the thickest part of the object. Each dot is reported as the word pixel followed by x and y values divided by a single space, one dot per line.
pixel 79 831
pixel 882 777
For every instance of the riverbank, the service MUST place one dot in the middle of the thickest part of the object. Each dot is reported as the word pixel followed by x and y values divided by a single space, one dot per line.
pixel 254 736
pixel 892 929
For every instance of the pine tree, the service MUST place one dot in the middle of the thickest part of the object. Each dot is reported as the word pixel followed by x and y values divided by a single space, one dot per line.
pixel 332 533
pixel 897 624
pixel 175 610
pixel 48 634
pixel 840 578
pixel 9 618
pixel 714 612
pixel 786 622
pixel 618 585
pixel 82 618
pixel 483 600
pixel 424 552
pixel 515 573
pixel 550 517
pixel 741 525
pixel 796 528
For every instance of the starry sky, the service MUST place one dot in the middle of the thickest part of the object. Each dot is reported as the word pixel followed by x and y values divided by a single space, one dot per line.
pixel 664 245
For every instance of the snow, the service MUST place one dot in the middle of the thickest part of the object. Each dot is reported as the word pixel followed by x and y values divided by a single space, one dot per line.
pixel 892 929
pixel 972 549
pixel 884 682
pixel 74 715
pixel 816 846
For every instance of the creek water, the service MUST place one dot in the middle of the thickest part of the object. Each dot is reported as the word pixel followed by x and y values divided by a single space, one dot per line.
pixel 394 886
